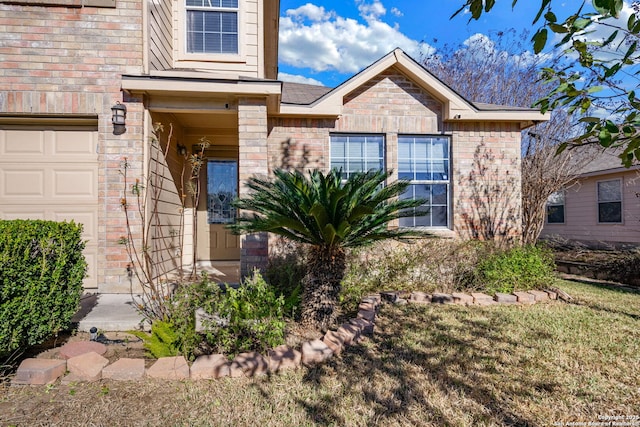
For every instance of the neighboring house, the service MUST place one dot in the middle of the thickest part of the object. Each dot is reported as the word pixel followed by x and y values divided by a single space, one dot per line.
pixel 209 69
pixel 602 208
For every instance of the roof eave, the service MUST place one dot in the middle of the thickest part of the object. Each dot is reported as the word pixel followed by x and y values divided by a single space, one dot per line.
pixel 611 171
pixel 455 107
pixel 187 85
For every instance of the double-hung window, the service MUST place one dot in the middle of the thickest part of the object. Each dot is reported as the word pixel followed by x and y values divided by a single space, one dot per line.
pixel 424 160
pixel 212 26
pixel 610 201
pixel 555 208
pixel 357 153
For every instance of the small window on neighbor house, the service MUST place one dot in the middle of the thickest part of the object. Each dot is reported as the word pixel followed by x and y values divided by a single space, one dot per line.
pixel 555 208
pixel 212 26
pixel 424 160
pixel 610 201
pixel 357 153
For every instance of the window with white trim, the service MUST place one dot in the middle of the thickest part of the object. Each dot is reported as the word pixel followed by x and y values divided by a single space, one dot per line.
pixel 357 153
pixel 212 26
pixel 424 160
pixel 610 201
pixel 555 208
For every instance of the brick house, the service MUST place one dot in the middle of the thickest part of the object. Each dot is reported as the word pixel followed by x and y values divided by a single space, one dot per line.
pixel 210 70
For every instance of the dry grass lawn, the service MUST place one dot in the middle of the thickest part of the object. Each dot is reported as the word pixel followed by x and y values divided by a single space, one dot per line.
pixel 424 366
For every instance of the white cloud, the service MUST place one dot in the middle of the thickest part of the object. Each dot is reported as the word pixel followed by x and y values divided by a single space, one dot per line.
pixel 295 78
pixel 310 11
pixel 480 40
pixel 396 12
pixel 331 42
pixel 371 11
pixel 483 47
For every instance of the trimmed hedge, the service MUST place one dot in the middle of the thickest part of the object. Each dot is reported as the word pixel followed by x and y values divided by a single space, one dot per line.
pixel 41 272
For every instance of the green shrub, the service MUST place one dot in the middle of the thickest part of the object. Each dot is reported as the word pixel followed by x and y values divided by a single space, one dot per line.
pixel 518 268
pixel 184 303
pixel 163 341
pixel 41 273
pixel 427 265
pixel 250 318
pixel 285 273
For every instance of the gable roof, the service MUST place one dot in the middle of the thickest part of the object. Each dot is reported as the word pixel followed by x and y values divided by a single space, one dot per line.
pixel 455 106
pixel 302 94
pixel 604 161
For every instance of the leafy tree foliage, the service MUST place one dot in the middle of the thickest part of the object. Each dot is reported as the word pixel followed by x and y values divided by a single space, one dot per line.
pixel 328 215
pixel 604 75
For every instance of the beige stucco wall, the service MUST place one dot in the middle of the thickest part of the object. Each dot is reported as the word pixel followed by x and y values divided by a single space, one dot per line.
pixel 485 156
pixel 581 212
pixel 67 62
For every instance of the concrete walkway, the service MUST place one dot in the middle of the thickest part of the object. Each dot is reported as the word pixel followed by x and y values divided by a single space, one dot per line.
pixel 108 312
pixel 116 312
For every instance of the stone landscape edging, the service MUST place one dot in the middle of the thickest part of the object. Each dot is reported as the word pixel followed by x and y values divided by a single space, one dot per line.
pixel 89 365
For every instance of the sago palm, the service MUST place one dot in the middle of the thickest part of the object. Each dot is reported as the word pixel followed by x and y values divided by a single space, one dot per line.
pixel 328 215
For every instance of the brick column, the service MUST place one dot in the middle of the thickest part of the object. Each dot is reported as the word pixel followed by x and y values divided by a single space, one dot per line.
pixel 252 161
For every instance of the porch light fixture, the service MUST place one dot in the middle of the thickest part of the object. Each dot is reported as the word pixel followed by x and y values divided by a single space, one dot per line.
pixel 118 116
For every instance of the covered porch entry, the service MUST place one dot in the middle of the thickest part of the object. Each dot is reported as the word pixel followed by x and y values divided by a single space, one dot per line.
pixel 226 123
pixel 206 192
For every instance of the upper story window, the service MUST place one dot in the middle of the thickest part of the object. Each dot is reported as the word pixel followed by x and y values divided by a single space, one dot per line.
pixel 555 208
pixel 212 26
pixel 610 201
pixel 424 160
pixel 357 153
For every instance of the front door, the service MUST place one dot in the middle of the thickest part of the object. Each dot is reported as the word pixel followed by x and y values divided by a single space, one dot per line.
pixel 215 242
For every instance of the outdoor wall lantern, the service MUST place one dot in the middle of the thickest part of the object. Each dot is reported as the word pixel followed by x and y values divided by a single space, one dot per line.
pixel 118 116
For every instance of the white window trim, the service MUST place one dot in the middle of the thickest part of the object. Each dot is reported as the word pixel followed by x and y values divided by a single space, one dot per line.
pixel 432 182
pixel 564 204
pixel 621 202
pixel 180 40
pixel 384 145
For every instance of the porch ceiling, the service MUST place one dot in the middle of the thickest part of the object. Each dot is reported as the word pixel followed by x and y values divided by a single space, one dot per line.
pixel 226 121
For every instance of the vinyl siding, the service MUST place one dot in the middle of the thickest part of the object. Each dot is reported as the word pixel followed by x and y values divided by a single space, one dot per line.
pixel 246 64
pixel 581 212
pixel 160 35
pixel 164 172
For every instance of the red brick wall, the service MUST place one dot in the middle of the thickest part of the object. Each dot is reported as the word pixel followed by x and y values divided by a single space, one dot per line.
pixel 485 155
pixel 486 182
pixel 252 161
pixel 67 61
pixel 390 103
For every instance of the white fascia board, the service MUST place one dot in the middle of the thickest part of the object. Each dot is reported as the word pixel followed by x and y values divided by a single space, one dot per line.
pixel 501 116
pixel 456 108
pixel 454 103
pixel 328 109
pixel 199 87
pixel 331 104
pixel 336 96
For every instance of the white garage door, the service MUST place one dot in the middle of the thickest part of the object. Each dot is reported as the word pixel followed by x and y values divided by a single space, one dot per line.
pixel 52 174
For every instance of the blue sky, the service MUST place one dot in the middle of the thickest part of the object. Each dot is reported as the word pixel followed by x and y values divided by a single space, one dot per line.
pixel 326 42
